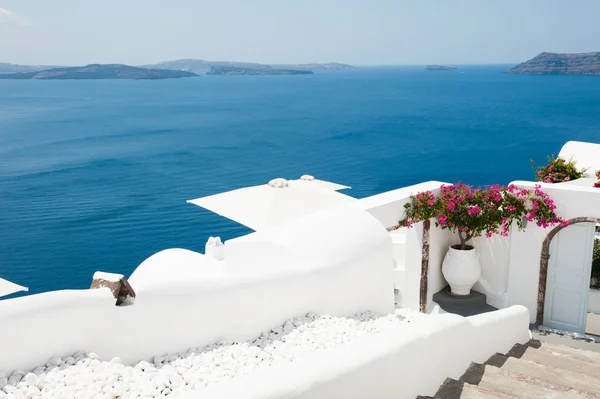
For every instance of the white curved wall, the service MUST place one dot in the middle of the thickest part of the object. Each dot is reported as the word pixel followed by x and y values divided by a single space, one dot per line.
pixel 587 155
pixel 337 263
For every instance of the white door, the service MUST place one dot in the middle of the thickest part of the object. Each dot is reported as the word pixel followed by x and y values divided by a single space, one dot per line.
pixel 568 284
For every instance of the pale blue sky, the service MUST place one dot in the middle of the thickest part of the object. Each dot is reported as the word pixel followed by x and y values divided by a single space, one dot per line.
pixel 369 32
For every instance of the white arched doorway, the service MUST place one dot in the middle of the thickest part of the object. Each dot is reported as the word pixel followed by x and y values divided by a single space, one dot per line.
pixel 565 275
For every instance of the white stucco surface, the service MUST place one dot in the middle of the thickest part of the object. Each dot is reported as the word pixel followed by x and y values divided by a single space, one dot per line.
pixel 402 362
pixel 8 287
pixel 594 301
pixel 268 205
pixel 337 263
pixel 388 207
pixel 587 155
pixel 494 254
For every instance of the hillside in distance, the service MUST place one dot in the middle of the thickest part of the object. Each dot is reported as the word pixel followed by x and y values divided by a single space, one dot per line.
pixel 439 68
pixel 99 71
pixel 560 63
pixel 228 70
pixel 202 67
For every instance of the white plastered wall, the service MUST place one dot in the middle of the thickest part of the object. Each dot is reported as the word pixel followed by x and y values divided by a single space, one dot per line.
pixel 388 208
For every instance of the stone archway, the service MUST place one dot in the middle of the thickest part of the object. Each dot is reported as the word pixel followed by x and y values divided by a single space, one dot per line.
pixel 544 260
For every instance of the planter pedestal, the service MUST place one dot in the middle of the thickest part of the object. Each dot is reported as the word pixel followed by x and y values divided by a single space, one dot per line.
pixel 464 305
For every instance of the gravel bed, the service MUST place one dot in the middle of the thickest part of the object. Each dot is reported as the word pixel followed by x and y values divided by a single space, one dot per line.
pixel 83 375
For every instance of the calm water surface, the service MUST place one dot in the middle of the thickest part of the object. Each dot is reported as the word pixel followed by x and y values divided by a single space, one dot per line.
pixel 94 174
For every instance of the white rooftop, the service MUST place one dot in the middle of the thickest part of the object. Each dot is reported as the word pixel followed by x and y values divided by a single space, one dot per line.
pixel 279 201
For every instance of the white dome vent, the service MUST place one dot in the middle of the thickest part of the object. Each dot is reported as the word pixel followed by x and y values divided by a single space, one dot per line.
pixel 307 178
pixel 279 183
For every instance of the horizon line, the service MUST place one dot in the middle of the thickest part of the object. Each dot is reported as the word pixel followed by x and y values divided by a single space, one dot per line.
pixel 266 63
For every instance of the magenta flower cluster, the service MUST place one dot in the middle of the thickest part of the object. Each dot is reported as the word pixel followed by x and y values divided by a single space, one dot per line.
pixel 558 170
pixel 473 212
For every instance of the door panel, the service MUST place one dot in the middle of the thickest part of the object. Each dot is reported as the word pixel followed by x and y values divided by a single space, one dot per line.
pixel 568 282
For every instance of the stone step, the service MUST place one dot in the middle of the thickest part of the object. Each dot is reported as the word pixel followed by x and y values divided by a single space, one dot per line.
pixel 581 354
pixel 562 361
pixel 552 378
pixel 474 392
pixel 502 382
pixel 450 389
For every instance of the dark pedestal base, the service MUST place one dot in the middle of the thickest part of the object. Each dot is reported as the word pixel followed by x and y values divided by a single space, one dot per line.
pixel 464 305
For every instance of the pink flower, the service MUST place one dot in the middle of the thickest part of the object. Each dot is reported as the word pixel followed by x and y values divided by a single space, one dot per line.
pixel 475 210
pixel 511 208
pixel 565 223
pixel 431 202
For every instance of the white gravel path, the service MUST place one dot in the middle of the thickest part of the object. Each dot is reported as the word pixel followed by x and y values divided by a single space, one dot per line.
pixel 85 376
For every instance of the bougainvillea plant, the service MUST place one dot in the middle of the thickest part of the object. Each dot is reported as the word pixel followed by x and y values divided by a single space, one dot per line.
pixel 472 212
pixel 597 184
pixel 558 170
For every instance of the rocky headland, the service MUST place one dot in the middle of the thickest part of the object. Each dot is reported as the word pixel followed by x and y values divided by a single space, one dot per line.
pixel 560 64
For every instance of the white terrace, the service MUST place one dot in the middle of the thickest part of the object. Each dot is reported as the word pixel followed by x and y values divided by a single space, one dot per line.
pixel 321 301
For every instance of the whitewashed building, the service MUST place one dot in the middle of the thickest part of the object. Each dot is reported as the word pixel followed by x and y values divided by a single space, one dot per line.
pixel 325 253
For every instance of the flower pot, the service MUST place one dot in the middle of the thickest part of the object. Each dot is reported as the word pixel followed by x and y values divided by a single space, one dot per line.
pixel 461 269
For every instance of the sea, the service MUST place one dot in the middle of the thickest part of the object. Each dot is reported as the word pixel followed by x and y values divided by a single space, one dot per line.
pixel 95 174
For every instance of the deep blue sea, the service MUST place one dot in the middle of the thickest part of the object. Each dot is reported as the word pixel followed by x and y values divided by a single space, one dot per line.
pixel 94 174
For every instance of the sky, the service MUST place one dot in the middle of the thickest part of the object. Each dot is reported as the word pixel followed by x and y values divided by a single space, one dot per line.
pixel 367 32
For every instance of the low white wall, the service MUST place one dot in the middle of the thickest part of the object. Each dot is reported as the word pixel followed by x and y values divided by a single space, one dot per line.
pixel 37 327
pixel 404 362
pixel 594 301
pixel 185 300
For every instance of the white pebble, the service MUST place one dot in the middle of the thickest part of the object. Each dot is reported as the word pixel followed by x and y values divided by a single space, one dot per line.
pixel 55 361
pixel 85 376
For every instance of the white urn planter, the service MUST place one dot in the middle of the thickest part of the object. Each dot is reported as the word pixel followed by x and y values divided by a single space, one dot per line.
pixel 461 269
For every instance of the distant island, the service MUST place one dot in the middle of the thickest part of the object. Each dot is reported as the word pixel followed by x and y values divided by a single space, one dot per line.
pixel 439 68
pixel 228 70
pixel 163 70
pixel 202 67
pixel 560 63
pixel 97 71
